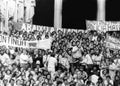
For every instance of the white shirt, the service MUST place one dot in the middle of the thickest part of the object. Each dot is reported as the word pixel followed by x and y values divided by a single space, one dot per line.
pixel 23 59
pixel 64 61
pixel 51 63
pixel 75 48
pixel 94 38
pixel 94 79
pixel 117 61
pixel 77 54
pixel 113 66
pixel 87 59
pixel 5 59
pixel 7 77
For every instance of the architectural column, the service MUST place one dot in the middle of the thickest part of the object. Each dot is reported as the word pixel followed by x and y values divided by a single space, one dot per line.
pixel 58 13
pixel 6 17
pixel 101 10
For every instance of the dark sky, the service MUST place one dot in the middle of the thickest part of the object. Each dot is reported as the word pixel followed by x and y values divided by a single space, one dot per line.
pixel 75 12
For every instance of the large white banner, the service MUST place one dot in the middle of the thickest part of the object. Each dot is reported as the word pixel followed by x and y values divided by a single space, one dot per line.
pixel 30 27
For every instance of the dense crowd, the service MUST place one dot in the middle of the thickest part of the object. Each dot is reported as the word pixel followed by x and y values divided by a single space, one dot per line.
pixel 75 59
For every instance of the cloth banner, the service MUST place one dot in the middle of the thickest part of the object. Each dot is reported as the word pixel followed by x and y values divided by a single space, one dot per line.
pixel 42 44
pixel 30 27
pixel 10 41
pixel 103 26
pixel 112 43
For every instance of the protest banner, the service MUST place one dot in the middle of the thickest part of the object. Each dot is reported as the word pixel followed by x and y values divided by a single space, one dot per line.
pixel 10 41
pixel 41 44
pixel 30 27
pixel 33 44
pixel 112 42
pixel 45 44
pixel 103 26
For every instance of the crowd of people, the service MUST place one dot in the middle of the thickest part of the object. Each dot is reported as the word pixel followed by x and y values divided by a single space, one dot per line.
pixel 75 59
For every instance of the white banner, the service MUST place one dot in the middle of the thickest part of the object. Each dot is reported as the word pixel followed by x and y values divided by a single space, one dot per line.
pixel 103 26
pixel 41 44
pixel 113 43
pixel 30 27
pixel 10 41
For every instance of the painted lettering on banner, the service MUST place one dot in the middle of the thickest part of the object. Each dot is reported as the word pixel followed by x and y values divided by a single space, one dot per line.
pixel 103 26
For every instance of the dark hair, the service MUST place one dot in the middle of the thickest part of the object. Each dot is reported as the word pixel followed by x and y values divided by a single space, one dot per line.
pixel 59 82
pixel 88 82
pixel 52 54
pixel 108 77
pixel 11 80
pixel 43 83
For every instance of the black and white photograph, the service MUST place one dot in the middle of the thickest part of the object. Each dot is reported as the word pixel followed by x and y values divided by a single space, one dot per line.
pixel 59 43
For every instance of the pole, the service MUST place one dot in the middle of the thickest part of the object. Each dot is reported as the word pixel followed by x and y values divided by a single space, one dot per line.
pixel 58 13
pixel 101 10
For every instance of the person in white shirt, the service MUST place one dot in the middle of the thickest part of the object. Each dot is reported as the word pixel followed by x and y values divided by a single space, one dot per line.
pixel 94 78
pixel 64 61
pixel 24 59
pixel 87 59
pixel 76 52
pixel 52 62
pixel 5 58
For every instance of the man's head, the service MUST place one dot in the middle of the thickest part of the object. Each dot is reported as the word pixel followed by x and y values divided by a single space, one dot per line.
pixel 12 81
pixel 5 81
pixel 108 78
pixel 8 72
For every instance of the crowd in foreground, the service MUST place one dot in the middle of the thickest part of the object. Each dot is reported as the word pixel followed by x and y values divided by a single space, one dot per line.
pixel 24 67
pixel 75 59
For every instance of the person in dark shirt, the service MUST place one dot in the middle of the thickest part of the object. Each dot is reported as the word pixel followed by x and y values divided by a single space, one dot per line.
pixel 117 81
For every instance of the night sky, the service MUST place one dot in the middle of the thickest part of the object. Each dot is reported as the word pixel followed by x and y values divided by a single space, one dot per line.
pixel 75 12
